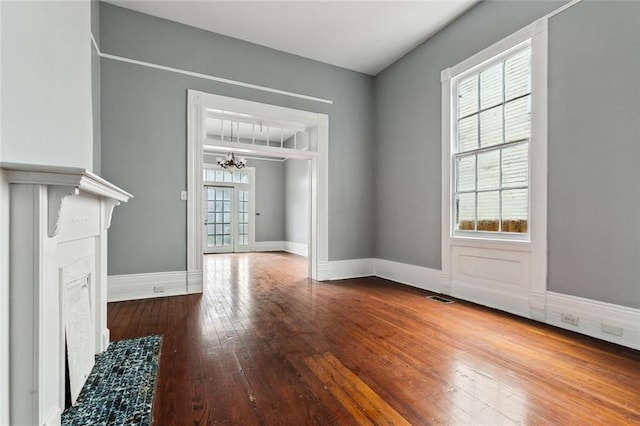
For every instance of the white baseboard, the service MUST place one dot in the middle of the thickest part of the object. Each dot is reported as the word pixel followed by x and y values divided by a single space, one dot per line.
pixel 415 276
pixel 288 246
pixel 343 269
pixel 195 283
pixel 296 248
pixel 593 316
pixel 513 303
pixel 268 246
pixel 145 286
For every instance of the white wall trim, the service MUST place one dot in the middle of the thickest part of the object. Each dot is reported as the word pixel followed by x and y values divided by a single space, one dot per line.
pixel 4 298
pixel 206 76
pixel 563 8
pixel 195 282
pixel 593 316
pixel 415 276
pixel 514 303
pixel 288 246
pixel 141 286
pixel 343 269
pixel 477 269
pixel 268 246
pixel 296 248
pixel 538 168
pixel 319 170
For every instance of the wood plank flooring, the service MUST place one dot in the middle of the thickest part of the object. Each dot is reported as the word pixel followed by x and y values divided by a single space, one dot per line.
pixel 265 345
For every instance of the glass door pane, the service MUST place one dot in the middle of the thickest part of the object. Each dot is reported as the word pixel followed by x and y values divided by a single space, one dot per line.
pixel 218 219
pixel 243 218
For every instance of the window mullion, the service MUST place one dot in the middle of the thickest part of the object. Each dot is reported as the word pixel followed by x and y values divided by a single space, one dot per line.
pixel 504 139
pixel 478 146
pixel 475 217
pixel 500 193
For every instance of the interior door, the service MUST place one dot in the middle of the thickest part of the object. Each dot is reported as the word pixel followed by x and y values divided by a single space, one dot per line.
pixel 227 224
pixel 219 214
pixel 243 227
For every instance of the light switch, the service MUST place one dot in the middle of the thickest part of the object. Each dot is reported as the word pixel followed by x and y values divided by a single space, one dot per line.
pixel 183 195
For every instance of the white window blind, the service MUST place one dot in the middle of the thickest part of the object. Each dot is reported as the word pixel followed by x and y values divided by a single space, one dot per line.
pixel 491 151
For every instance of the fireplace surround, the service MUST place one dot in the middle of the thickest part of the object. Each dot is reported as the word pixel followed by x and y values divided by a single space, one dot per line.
pixel 58 222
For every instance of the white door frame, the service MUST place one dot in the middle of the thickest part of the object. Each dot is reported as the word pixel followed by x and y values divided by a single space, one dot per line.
pixel 318 183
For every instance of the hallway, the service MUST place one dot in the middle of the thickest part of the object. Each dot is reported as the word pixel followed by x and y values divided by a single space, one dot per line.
pixel 266 345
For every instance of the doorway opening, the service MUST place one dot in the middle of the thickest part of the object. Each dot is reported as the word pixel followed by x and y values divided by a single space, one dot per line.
pixel 220 125
pixel 229 209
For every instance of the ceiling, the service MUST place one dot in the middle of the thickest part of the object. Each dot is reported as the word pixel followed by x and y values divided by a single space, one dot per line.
pixel 364 36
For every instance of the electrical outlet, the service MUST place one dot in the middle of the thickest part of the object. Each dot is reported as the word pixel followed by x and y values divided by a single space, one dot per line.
pixel 158 289
pixel 570 319
pixel 611 329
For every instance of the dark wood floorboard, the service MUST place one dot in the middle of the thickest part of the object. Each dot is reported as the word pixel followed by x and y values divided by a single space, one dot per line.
pixel 265 345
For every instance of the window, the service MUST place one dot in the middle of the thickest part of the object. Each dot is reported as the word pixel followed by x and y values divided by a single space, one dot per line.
pixel 491 131
pixel 494 174
pixel 225 176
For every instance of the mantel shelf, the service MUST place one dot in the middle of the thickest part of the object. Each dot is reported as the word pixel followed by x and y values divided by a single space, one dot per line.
pixel 63 182
pixel 79 178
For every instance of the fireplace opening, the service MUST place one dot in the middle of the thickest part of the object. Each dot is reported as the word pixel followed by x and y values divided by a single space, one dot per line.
pixel 67 383
pixel 79 343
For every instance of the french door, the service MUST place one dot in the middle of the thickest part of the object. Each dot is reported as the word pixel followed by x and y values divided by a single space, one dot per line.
pixel 227 220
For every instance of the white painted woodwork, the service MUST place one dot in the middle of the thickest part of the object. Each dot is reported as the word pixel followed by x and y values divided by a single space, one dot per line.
pixel 4 297
pixel 58 220
pixel 317 126
pixel 152 284
pixel 363 36
pixel 296 248
pixel 595 318
pixel 502 271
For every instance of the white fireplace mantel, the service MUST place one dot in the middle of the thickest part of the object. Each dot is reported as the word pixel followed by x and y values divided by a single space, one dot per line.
pixel 58 222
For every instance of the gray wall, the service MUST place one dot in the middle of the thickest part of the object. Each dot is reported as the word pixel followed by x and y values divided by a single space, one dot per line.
pixel 408 120
pixel 282 199
pixel 143 121
pixel 269 199
pixel 594 169
pixel 594 152
pixel 296 201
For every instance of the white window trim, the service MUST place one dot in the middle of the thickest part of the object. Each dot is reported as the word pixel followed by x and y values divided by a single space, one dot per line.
pixel 536 244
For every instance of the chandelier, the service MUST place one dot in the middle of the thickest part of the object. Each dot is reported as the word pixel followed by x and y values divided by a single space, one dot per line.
pixel 231 162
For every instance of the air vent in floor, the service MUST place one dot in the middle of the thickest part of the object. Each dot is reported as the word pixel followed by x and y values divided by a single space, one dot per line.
pixel 440 299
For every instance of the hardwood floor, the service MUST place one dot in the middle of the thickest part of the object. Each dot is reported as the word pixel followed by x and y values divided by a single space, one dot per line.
pixel 265 345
